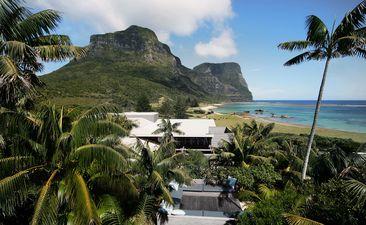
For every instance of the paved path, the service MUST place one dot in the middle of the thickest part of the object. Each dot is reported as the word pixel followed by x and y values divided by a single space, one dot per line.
pixel 196 220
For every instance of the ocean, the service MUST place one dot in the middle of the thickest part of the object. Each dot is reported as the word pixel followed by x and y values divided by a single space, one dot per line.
pixel 334 114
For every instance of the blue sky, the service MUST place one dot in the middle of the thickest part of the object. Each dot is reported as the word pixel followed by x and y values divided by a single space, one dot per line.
pixel 246 32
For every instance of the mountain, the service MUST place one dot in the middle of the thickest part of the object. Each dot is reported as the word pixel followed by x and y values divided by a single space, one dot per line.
pixel 121 66
pixel 229 74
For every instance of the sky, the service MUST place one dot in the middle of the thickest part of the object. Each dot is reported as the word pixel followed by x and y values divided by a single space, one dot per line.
pixel 242 31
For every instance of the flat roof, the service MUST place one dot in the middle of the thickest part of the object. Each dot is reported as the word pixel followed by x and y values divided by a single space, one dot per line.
pixel 139 113
pixel 190 127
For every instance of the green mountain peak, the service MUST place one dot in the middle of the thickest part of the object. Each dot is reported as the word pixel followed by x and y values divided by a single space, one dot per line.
pixel 121 66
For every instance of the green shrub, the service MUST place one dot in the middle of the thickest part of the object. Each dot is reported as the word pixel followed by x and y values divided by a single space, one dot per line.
pixel 269 211
pixel 248 178
pixel 331 204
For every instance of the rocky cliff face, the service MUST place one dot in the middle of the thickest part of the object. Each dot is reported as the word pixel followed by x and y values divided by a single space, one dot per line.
pixel 229 75
pixel 131 43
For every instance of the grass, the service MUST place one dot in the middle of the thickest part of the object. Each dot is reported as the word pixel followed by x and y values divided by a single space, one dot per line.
pixel 232 120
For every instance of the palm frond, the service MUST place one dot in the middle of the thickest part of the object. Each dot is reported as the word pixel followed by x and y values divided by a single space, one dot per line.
pixel 18 50
pixel 8 68
pixel 247 193
pixel 266 192
pixel 298 220
pixel 357 16
pixel 298 59
pixel 226 155
pixel 172 161
pixel 180 176
pixel 38 24
pixel 13 191
pixel 256 159
pixel 85 128
pixel 145 210
pixel 13 164
pixel 51 39
pixel 108 158
pixel 16 123
pixel 45 210
pixel 12 12
pixel 82 204
pixel 157 181
pixel 360 52
pixel 357 190
pixel 353 20
pixel 146 159
pixel 120 184
pixel 59 52
pixel 317 31
pixel 110 211
pixel 99 112
pixel 267 129
pixel 294 45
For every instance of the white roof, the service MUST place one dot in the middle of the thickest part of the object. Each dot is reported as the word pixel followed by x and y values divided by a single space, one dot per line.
pixel 140 113
pixel 190 127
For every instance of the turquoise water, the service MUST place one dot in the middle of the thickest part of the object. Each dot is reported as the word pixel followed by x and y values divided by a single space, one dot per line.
pixel 340 115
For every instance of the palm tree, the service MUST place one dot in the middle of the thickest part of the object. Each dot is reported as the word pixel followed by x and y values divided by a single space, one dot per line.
pixel 168 129
pixel 111 213
pixel 60 153
pixel 159 168
pixel 347 39
pixel 245 141
pixel 25 39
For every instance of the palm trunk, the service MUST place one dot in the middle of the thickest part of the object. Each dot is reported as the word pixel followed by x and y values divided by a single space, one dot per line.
pixel 315 119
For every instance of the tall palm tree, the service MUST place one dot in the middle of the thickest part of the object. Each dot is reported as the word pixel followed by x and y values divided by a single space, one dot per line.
pixel 25 39
pixel 347 39
pixel 56 151
pixel 168 129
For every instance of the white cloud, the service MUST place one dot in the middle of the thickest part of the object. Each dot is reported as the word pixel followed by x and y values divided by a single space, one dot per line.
pixel 165 17
pixel 221 46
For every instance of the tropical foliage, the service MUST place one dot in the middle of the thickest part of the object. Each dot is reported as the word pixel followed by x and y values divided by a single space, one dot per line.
pixel 168 129
pixel 246 140
pixel 27 37
pixel 268 166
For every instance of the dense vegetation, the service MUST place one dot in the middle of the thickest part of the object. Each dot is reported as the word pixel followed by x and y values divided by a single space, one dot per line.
pixel 268 171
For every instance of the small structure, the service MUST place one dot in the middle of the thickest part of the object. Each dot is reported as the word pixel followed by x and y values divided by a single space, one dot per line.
pixel 202 204
pixel 198 134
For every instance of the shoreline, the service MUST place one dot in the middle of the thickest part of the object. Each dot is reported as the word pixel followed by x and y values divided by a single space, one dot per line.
pixel 210 107
pixel 289 124
pixel 284 123
pixel 283 127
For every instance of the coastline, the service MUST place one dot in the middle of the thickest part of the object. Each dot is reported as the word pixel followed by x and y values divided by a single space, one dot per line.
pixel 281 127
pixel 347 116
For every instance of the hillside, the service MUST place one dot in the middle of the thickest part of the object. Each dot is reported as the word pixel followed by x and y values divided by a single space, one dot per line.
pixel 121 66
